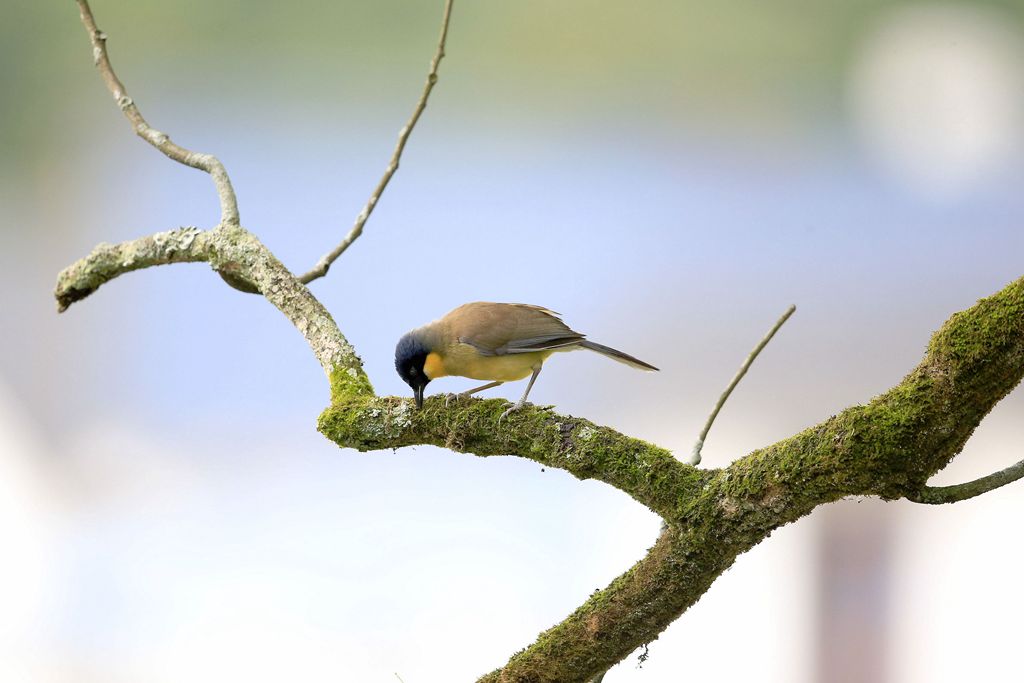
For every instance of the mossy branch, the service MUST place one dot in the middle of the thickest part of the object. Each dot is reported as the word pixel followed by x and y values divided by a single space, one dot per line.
pixel 889 447
pixel 648 473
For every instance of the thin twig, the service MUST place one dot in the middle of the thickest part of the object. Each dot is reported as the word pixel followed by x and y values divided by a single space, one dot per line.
pixel 324 264
pixel 937 495
pixel 695 455
pixel 204 162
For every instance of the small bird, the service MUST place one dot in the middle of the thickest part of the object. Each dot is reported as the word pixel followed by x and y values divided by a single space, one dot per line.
pixel 494 342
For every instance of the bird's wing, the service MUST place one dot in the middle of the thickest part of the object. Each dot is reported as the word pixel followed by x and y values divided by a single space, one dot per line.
pixel 499 329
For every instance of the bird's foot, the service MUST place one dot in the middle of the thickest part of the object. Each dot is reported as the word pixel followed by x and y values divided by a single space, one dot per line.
pixel 513 408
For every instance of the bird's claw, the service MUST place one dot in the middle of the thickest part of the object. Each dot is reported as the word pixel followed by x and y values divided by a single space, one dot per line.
pixel 513 408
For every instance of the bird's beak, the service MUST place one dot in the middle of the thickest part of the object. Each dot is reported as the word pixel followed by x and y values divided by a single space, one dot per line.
pixel 419 396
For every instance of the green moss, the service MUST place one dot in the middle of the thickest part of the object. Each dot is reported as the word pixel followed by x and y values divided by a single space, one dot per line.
pixel 348 383
pixel 969 338
pixel 648 473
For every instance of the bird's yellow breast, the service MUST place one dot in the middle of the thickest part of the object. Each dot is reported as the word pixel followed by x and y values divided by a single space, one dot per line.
pixel 465 361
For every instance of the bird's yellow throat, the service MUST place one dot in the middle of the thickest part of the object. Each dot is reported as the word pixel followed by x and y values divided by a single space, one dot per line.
pixel 433 366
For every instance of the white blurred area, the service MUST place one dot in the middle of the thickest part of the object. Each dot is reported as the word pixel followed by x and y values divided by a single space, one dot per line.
pixel 167 510
pixel 135 561
pixel 30 530
pixel 956 614
pixel 937 92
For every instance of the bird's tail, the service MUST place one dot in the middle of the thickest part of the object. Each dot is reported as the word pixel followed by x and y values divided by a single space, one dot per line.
pixel 617 355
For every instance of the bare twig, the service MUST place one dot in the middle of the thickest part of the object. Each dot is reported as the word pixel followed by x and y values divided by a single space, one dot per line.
pixel 204 162
pixel 937 495
pixel 695 455
pixel 324 264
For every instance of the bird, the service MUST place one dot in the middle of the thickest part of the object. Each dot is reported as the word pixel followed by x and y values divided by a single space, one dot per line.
pixel 497 342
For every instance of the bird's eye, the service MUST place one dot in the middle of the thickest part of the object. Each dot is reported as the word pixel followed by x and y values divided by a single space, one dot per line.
pixel 412 371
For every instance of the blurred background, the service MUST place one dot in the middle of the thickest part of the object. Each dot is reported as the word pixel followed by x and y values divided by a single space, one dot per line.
pixel 671 175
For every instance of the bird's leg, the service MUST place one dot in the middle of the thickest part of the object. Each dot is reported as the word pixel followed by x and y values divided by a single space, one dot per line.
pixel 521 402
pixel 489 385
pixel 464 394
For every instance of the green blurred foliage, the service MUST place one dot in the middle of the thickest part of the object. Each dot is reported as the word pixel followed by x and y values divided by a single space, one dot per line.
pixel 747 63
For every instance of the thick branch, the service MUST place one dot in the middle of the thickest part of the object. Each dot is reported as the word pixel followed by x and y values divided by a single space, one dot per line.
pixel 325 262
pixel 586 644
pixel 972 362
pixel 201 161
pixel 937 495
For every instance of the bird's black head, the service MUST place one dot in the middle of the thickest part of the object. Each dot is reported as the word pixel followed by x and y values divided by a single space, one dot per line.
pixel 410 356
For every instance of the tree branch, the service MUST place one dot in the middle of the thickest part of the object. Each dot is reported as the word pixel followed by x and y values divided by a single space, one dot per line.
pixel 972 362
pixel 233 252
pixel 203 162
pixel 695 455
pixel 937 495
pixel 324 264
pixel 107 261
pixel 651 475
pixel 713 515
pixel 586 644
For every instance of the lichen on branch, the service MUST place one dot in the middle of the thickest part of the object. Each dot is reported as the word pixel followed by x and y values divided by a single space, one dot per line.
pixel 234 252
pixel 107 261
